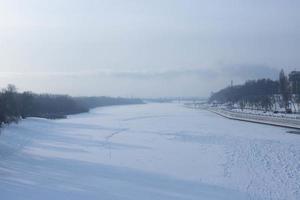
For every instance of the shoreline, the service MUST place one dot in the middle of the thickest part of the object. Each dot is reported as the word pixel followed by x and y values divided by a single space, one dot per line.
pixel 254 118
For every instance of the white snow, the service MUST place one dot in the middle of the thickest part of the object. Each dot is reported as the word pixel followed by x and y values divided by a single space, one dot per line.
pixel 151 151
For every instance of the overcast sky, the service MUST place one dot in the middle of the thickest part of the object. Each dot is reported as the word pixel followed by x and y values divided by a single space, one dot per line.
pixel 145 48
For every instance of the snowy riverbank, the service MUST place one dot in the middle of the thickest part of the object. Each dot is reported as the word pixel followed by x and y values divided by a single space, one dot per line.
pixel 269 118
pixel 282 121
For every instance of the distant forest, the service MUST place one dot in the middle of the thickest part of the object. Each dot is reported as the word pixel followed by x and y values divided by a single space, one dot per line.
pixel 15 106
pixel 263 94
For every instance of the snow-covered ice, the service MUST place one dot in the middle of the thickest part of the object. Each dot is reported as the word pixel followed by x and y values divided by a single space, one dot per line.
pixel 151 151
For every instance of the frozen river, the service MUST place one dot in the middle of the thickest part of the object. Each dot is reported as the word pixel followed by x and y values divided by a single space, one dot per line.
pixel 151 151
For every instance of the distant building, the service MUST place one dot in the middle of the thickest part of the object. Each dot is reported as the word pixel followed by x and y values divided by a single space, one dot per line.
pixel 294 78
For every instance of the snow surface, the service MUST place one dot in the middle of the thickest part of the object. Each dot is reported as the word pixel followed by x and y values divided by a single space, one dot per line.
pixel 151 151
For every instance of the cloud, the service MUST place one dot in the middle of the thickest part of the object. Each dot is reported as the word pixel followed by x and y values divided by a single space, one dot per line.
pixel 130 74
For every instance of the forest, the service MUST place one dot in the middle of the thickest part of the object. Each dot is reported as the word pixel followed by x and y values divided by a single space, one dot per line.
pixel 15 106
pixel 261 94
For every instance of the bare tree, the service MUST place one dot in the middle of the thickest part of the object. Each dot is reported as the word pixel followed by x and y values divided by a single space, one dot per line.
pixel 284 89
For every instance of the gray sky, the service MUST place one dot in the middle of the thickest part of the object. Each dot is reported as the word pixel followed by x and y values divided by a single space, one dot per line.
pixel 145 48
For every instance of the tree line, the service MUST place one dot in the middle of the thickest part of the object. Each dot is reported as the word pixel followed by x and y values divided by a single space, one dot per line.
pixel 15 106
pixel 262 94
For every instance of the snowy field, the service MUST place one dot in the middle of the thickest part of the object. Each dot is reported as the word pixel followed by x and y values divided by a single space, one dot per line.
pixel 151 151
